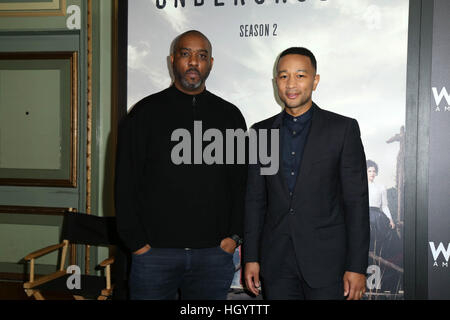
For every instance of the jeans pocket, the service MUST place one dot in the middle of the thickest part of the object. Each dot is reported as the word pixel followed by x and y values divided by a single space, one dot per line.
pixel 223 251
pixel 142 254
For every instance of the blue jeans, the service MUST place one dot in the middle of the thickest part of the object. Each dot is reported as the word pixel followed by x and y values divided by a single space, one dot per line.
pixel 199 274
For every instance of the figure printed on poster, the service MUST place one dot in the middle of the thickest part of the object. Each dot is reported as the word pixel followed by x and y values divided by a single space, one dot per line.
pixel 385 271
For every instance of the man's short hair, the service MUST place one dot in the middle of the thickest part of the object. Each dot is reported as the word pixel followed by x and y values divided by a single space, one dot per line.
pixel 301 51
pixel 196 32
pixel 371 163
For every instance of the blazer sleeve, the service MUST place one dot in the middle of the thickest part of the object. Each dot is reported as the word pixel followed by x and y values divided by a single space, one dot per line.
pixel 353 174
pixel 255 210
pixel 130 160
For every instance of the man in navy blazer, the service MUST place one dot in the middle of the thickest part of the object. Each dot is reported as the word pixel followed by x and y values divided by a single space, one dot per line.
pixel 307 226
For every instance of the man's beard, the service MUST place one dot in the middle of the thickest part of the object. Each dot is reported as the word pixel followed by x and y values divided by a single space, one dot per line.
pixel 186 83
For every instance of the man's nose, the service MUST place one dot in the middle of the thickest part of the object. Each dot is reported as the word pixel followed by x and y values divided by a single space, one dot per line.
pixel 290 83
pixel 193 60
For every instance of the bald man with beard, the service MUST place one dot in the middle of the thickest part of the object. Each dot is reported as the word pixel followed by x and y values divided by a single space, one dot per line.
pixel 181 222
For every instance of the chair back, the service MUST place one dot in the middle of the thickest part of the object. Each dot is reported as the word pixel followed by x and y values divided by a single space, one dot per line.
pixel 82 228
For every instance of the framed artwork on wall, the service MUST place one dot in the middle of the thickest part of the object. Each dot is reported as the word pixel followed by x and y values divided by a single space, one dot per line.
pixel 32 8
pixel 38 119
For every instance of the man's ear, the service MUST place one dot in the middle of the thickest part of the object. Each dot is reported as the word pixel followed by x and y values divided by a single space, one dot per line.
pixel 212 62
pixel 171 58
pixel 316 81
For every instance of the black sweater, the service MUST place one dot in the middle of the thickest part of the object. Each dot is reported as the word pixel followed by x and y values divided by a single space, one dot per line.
pixel 176 206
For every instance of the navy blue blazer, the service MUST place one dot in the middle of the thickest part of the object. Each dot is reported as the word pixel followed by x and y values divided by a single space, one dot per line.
pixel 327 216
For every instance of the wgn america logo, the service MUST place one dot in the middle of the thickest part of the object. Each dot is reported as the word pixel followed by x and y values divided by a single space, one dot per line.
pixel 437 252
pixel 438 97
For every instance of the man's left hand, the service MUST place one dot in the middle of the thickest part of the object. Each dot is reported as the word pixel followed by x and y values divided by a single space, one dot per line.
pixel 354 285
pixel 228 245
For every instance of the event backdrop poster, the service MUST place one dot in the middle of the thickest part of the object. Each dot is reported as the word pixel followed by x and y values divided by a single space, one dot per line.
pixel 361 51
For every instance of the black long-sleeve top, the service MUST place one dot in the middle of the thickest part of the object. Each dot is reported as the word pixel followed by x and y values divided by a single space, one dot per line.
pixel 167 205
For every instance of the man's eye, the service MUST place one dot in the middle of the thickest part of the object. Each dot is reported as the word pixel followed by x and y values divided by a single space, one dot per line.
pixel 203 56
pixel 184 53
pixel 283 76
pixel 300 76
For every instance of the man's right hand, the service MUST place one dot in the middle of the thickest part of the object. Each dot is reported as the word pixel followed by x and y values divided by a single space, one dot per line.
pixel 142 250
pixel 252 277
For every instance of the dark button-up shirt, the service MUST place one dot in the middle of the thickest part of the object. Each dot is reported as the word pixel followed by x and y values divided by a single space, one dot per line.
pixel 294 131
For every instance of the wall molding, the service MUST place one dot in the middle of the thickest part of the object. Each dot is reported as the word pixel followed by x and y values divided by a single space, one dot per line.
pixel 51 211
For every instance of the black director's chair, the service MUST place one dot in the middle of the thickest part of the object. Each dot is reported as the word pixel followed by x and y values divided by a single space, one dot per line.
pixel 84 229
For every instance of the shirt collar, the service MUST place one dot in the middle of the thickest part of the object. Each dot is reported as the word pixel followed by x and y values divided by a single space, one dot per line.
pixel 182 95
pixel 302 119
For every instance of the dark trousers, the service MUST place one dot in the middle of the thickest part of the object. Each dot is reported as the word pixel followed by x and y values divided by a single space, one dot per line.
pixel 288 283
pixel 199 274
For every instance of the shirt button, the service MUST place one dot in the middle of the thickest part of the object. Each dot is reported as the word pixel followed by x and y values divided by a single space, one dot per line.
pixel 291 211
pixel 293 153
pixel 294 132
pixel 292 173
pixel 295 120
pixel 290 193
